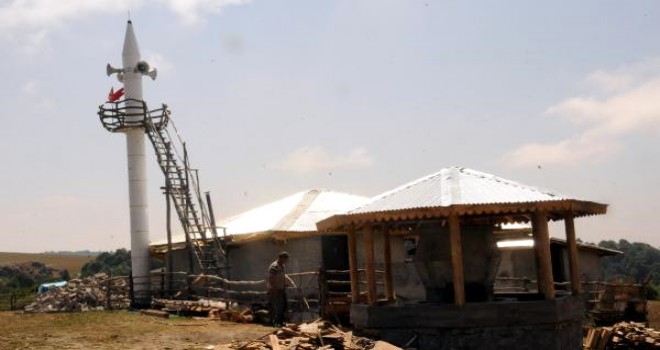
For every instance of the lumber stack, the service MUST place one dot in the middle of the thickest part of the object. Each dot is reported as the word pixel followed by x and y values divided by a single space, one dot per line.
pixel 623 335
pixel 205 307
pixel 98 292
pixel 319 335
pixel 188 306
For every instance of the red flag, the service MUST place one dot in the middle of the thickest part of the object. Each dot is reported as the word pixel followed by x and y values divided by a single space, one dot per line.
pixel 115 95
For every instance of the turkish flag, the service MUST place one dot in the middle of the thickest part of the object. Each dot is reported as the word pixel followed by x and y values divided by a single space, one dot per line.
pixel 115 95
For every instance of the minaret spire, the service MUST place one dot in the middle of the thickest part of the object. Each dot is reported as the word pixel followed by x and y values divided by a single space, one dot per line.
pixel 134 127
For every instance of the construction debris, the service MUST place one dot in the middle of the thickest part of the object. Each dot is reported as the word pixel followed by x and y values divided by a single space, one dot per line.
pixel 623 335
pixel 206 307
pixel 320 335
pixel 155 313
pixel 99 292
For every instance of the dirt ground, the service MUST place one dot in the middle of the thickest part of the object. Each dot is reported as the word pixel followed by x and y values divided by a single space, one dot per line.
pixel 119 330
pixel 131 330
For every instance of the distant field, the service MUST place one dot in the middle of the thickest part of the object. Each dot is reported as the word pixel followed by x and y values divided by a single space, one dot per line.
pixel 73 263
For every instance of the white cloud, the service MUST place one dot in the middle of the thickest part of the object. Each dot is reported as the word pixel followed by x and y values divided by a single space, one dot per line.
pixel 31 88
pixel 608 81
pixel 42 14
pixel 623 77
pixel 312 158
pixel 29 21
pixel 190 12
pixel 619 103
pixel 569 151
pixel 159 62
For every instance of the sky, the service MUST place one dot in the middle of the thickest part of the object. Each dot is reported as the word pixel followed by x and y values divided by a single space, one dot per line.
pixel 278 96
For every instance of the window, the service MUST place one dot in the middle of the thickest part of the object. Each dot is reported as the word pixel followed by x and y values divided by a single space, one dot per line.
pixel 410 247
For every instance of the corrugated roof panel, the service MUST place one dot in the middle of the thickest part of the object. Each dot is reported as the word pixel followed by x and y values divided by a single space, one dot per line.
pixel 456 185
pixel 326 204
pixel 296 213
pixel 262 218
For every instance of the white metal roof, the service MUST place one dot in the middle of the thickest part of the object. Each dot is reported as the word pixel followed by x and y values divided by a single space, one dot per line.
pixel 298 212
pixel 453 186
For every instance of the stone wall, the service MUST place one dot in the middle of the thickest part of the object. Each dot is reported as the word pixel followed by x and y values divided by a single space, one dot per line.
pixel 540 324
pixel 565 335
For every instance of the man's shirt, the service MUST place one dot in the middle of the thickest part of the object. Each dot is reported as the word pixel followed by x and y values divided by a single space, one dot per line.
pixel 276 276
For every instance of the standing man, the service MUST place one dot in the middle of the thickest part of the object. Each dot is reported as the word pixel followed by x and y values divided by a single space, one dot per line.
pixel 276 282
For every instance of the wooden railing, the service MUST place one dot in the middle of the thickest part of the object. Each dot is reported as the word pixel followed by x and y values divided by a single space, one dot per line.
pixel 326 292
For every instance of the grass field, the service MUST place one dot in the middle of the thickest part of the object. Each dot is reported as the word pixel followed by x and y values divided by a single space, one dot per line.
pixel 73 263
pixel 119 330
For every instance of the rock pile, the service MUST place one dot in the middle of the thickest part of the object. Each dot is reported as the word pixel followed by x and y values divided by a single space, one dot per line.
pixel 98 292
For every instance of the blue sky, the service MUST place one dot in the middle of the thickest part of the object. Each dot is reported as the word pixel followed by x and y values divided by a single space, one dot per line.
pixel 279 96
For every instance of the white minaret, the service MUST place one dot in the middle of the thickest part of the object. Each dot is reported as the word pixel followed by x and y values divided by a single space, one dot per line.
pixel 137 173
pixel 133 126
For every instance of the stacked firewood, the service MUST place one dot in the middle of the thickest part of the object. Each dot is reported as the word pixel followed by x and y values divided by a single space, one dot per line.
pixel 205 307
pixel 623 335
pixel 188 306
pixel 98 292
pixel 320 335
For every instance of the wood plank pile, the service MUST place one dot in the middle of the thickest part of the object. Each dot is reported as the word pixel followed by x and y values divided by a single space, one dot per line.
pixel 317 335
pixel 98 292
pixel 623 335
pixel 188 306
pixel 205 307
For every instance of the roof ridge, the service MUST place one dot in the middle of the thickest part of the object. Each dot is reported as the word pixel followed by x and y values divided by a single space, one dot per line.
pixel 454 184
pixel 388 193
pixel 457 185
pixel 307 199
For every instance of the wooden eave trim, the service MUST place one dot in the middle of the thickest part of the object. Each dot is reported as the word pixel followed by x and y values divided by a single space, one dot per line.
pixel 555 209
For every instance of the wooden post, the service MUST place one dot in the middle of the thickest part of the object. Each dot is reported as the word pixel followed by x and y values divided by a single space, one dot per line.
pixel 323 292
pixel 370 264
pixel 353 266
pixel 457 259
pixel 542 254
pixel 573 265
pixel 168 225
pixel 387 255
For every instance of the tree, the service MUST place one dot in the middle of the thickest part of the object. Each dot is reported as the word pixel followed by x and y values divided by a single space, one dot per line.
pixel 638 262
pixel 115 264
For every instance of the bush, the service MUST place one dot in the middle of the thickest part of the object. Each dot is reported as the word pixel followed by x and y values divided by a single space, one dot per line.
pixel 115 264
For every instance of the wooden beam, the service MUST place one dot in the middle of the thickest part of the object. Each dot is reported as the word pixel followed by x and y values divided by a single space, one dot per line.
pixel 553 208
pixel 387 255
pixel 573 264
pixel 353 265
pixel 274 342
pixel 457 259
pixel 542 254
pixel 370 264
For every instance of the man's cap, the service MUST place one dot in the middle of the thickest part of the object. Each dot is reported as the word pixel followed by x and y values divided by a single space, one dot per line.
pixel 283 255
